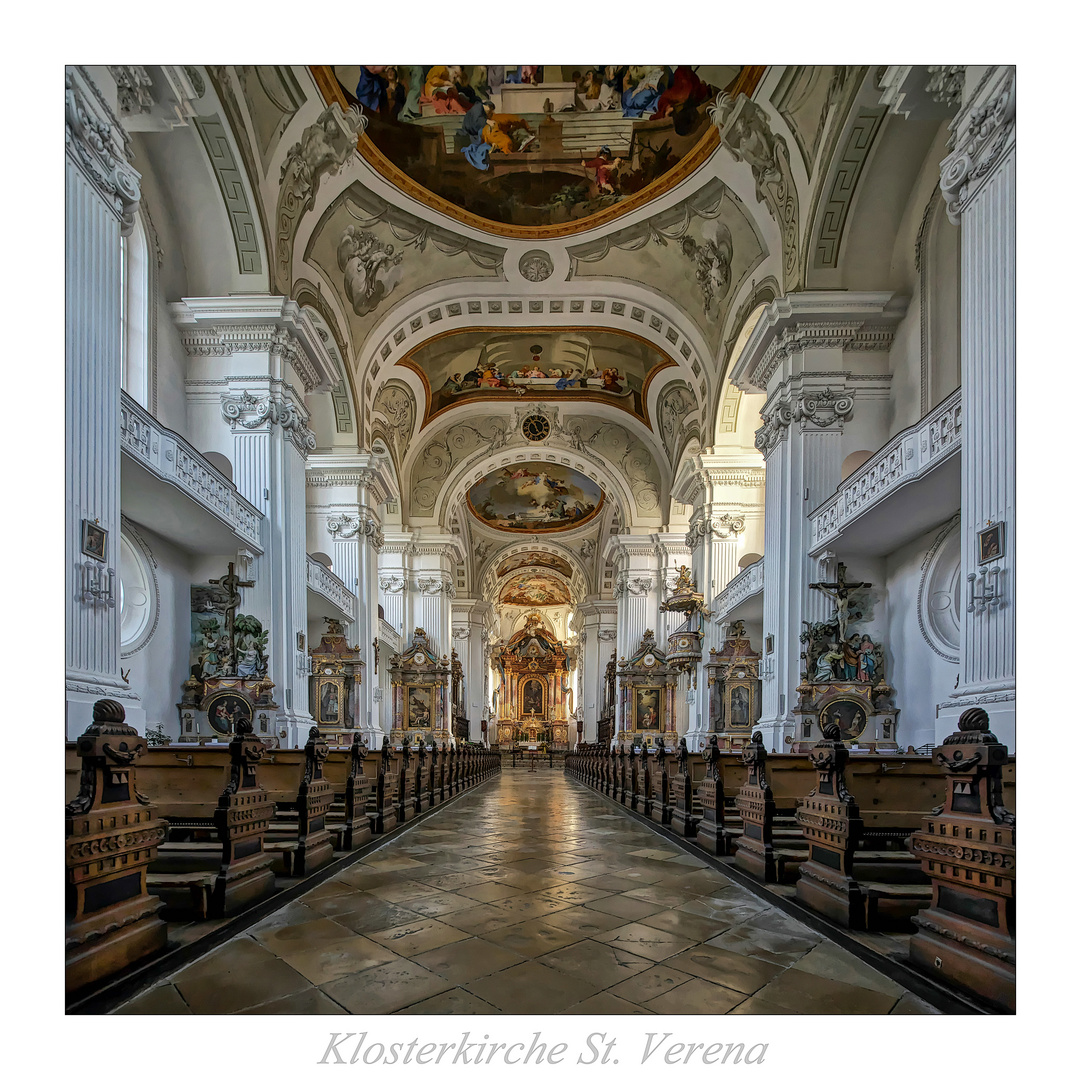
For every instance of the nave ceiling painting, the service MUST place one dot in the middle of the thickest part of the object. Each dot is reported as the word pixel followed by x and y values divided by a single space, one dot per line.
pixel 534 150
pixel 535 496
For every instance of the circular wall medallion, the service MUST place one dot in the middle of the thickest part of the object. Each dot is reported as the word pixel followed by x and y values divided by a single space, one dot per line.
pixel 649 659
pixel 419 658
pixel 536 428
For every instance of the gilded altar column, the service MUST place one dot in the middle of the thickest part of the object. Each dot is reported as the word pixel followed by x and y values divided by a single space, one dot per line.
pixel 978 182
pixel 822 359
pixel 101 192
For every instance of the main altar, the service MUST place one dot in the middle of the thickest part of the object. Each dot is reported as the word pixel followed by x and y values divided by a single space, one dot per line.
pixel 533 691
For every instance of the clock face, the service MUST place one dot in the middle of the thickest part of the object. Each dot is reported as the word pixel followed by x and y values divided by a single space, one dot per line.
pixel 419 658
pixel 649 659
pixel 328 671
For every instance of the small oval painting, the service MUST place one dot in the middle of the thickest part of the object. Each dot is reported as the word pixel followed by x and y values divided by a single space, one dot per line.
pixel 535 496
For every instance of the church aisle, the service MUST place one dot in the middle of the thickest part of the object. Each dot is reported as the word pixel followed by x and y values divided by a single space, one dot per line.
pixel 529 895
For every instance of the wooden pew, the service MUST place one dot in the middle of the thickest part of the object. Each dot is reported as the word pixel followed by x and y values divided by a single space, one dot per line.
pixel 710 832
pixel 313 846
pixel 857 872
pixel 382 809
pixel 242 817
pixel 111 835
pixel 661 772
pixel 350 824
pixel 689 774
pixel 968 850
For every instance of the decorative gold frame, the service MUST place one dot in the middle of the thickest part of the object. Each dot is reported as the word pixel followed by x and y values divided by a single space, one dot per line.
pixel 430 690
pixel 339 683
pixel 661 690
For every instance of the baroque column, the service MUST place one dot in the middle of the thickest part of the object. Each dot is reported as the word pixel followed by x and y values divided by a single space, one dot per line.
pixel 346 494
pixel 251 361
pixel 978 182
pixel 638 590
pixel 822 359
pixel 101 197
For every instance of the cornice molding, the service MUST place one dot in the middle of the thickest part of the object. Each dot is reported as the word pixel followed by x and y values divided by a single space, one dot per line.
pixel 801 322
pixel 225 325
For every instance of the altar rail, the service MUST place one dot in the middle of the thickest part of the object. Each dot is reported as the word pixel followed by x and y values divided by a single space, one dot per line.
pixel 908 456
pixel 174 460
pixel 329 585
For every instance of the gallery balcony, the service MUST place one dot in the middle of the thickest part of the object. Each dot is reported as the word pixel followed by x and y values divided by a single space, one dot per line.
pixel 328 595
pixel 169 487
pixel 742 596
pixel 899 493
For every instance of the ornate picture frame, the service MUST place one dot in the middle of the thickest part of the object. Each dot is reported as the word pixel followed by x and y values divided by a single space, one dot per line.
pixel 991 543
pixel 649 707
pixel 225 708
pixel 95 540
pixel 421 695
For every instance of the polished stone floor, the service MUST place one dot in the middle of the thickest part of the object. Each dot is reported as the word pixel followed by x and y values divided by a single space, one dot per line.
pixel 533 895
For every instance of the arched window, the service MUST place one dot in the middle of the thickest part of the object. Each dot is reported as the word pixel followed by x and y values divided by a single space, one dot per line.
pixel 135 296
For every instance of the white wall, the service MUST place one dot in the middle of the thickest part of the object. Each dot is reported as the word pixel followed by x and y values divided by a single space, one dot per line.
pixel 920 676
pixel 159 668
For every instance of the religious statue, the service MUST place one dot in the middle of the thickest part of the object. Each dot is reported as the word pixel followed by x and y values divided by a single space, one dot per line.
pixel 840 591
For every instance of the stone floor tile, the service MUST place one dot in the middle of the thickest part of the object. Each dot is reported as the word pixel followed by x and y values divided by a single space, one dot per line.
pixel 161 1000
pixel 535 937
pixel 412 938
pixel 335 959
pixel 810 994
pixel 646 941
pixel 456 1002
pixel 240 988
pixel 734 970
pixel 650 983
pixel 282 940
pixel 387 988
pixel 832 962
pixel 381 916
pixel 605 1004
pixel 311 1002
pixel 489 891
pixel 597 963
pixel 696 997
pixel 624 906
pixel 531 988
pixel 910 1005
pixel 466 960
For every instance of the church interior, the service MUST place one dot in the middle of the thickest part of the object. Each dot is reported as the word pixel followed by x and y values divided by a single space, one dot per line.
pixel 540 540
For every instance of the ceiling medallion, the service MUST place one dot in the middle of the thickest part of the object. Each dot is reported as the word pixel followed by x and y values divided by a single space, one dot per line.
pixel 536 428
pixel 535 265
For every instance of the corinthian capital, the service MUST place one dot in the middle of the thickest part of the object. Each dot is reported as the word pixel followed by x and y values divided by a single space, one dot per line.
pixel 96 142
pixel 982 134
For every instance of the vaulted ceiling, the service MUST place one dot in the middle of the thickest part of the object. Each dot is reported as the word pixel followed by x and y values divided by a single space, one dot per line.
pixel 555 282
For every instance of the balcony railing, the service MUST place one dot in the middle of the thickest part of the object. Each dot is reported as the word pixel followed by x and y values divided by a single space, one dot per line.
pixel 172 459
pixel 908 456
pixel 329 585
pixel 750 580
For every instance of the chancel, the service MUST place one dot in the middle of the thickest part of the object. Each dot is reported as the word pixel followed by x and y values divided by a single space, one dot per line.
pixel 612 469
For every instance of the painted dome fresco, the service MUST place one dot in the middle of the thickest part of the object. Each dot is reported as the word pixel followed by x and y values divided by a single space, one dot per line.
pixel 535 150
pixel 535 496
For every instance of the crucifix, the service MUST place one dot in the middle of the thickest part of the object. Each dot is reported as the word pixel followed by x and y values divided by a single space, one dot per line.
pixel 232 585
pixel 839 592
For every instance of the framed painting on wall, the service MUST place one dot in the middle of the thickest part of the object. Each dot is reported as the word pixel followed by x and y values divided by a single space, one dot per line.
pixel 419 706
pixel 648 708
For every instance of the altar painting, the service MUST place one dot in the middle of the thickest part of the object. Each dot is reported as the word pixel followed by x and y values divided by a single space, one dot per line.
pixel 419 706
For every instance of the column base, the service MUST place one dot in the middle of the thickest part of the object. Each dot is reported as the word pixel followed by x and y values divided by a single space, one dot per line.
pixel 1000 706
pixel 84 689
pixel 776 734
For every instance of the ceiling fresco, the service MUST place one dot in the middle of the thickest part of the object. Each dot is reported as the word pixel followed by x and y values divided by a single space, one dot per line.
pixel 535 151
pixel 465 367
pixel 535 497
pixel 535 592
pixel 533 559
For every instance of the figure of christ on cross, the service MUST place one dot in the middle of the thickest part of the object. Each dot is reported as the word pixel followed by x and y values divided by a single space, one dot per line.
pixel 839 592
pixel 232 585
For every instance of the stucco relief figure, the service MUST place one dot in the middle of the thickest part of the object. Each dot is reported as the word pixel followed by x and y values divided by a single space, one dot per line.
pixel 371 269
